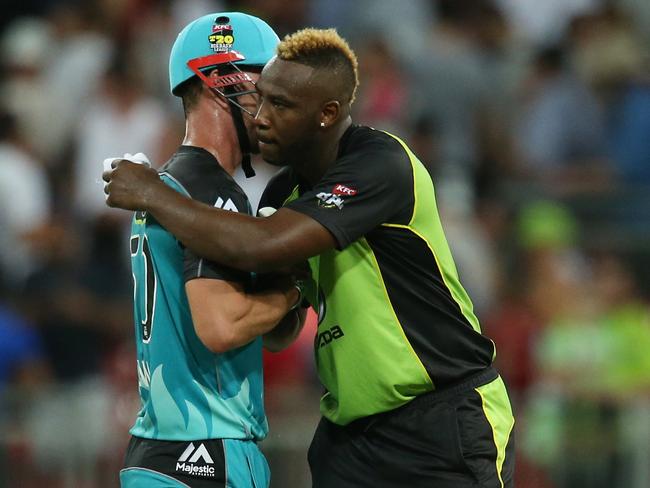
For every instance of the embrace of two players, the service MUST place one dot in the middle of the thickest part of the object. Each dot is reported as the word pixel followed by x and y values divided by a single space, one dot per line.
pixel 411 397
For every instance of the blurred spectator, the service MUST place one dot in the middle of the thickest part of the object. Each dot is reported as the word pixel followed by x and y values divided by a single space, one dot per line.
pixel 447 88
pixel 560 134
pixel 382 96
pixel 639 14
pixel 24 203
pixel 21 355
pixel 593 367
pixel 401 26
pixel 70 55
pixel 569 342
pixel 425 143
pixel 22 372
pixel 544 22
pixel 460 71
pixel 120 118
pixel 630 128
pixel 627 385
pixel 77 55
pixel 286 16
pixel 545 280
pixel 611 57
pixel 540 285
pixel 80 303
pixel 75 323
pixel 605 50
pixel 23 90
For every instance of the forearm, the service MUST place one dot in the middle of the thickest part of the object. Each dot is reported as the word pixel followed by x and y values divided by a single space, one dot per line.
pixel 218 235
pixel 266 310
pixel 230 238
pixel 226 316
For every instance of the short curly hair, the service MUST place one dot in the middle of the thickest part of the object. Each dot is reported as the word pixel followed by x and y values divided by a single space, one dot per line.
pixel 323 48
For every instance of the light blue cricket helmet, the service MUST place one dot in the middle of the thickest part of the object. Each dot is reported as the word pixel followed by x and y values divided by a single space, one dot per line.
pixel 220 38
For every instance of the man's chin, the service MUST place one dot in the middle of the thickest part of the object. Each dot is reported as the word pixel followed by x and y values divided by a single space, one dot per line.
pixel 271 158
pixel 274 162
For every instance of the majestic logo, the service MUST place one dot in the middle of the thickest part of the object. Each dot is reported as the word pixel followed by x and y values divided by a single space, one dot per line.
pixel 327 336
pixel 222 38
pixel 187 462
pixel 227 205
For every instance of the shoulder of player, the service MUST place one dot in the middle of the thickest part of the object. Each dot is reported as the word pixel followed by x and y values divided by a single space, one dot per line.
pixel 377 152
pixel 207 182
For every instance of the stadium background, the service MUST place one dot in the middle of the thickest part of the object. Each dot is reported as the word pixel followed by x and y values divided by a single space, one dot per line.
pixel 533 117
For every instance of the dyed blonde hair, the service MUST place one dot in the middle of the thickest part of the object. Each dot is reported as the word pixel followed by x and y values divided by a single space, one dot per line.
pixel 322 48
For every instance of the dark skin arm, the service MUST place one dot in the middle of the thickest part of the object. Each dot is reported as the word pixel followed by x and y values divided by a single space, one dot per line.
pixel 241 241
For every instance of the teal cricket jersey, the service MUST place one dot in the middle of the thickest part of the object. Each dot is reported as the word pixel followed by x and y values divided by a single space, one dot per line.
pixel 188 392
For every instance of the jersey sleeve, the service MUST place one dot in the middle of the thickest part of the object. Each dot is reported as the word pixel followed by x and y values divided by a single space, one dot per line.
pixel 365 189
pixel 198 267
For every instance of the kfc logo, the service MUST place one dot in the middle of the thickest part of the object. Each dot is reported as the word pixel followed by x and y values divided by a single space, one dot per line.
pixel 344 190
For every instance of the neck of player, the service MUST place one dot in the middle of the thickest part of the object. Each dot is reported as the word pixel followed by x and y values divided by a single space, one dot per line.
pixel 212 128
pixel 324 154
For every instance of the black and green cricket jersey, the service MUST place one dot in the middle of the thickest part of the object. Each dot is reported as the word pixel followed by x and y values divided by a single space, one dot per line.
pixel 394 320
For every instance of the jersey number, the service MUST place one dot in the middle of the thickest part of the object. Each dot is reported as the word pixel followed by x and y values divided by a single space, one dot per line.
pixel 150 284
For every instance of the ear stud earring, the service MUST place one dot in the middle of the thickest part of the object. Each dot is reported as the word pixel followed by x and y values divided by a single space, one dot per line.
pixel 322 124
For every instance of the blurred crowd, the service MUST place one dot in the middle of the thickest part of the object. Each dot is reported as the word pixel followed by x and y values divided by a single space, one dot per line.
pixel 534 120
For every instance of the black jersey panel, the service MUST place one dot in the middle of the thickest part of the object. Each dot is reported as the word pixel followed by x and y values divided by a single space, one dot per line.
pixel 431 319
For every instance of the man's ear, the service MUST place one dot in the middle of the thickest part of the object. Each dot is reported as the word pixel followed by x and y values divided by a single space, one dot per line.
pixel 330 113
pixel 211 94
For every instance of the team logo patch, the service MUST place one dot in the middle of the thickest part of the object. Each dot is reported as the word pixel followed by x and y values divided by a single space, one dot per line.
pixel 340 189
pixel 335 198
pixel 226 205
pixel 328 200
pixel 222 37
pixel 196 461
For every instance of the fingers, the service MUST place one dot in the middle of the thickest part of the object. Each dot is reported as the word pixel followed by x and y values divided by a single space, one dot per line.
pixel 107 175
pixel 124 182
pixel 109 197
